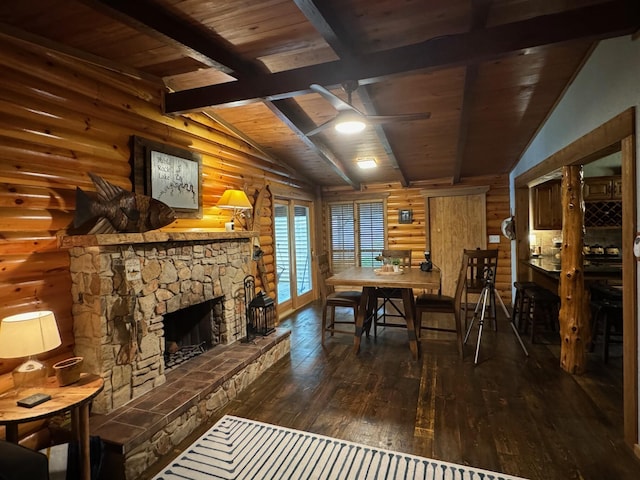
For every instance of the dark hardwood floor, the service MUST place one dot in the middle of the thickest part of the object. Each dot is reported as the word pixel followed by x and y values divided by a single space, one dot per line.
pixel 518 415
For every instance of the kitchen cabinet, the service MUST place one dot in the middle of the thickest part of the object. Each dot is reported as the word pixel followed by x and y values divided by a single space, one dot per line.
pixel 547 206
pixel 603 202
pixel 599 189
pixel 616 192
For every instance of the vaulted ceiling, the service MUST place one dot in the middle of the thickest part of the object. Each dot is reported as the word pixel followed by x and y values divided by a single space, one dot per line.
pixel 488 72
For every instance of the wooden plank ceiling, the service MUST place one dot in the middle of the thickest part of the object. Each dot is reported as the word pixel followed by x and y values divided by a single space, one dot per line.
pixel 488 72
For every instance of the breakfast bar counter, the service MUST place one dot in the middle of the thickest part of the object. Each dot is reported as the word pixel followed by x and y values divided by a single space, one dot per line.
pixel 545 270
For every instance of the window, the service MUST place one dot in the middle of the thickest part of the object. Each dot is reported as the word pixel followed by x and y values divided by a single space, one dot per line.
pixel 357 233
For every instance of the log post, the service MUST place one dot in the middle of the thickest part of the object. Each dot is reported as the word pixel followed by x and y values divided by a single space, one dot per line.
pixel 255 226
pixel 575 331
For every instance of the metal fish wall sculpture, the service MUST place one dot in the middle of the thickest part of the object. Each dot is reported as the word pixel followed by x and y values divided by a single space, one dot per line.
pixel 120 211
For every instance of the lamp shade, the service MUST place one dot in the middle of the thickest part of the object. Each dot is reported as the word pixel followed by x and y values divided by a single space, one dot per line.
pixel 234 199
pixel 28 334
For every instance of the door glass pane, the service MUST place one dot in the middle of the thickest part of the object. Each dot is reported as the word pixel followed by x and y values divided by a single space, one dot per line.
pixel 283 254
pixel 303 249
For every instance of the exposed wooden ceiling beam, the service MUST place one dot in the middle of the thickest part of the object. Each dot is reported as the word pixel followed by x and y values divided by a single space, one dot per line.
pixel 479 14
pixel 259 148
pixel 382 135
pixel 328 25
pixel 211 50
pixel 471 75
pixel 594 22
pixel 197 43
pixel 341 40
pixel 288 111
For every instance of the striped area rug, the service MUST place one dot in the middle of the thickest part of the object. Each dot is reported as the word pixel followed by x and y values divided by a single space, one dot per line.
pixel 237 448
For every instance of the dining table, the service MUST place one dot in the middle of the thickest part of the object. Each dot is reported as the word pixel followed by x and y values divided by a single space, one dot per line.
pixel 371 278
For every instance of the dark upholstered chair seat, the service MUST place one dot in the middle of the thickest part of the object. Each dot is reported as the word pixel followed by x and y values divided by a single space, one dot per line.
pixel 435 302
pixel 346 297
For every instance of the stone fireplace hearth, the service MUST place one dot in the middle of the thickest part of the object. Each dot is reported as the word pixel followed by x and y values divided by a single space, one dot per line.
pixel 124 284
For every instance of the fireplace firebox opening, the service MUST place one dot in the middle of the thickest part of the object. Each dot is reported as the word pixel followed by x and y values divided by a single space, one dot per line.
pixel 192 330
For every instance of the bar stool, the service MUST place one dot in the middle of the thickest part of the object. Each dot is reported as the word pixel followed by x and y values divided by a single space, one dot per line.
pixel 521 303
pixel 606 307
pixel 543 306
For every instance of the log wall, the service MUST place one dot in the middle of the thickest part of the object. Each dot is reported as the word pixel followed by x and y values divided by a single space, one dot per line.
pixel 61 118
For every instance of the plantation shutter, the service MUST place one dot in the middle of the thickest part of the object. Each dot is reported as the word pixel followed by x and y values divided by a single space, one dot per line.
pixel 371 226
pixel 348 242
pixel 343 247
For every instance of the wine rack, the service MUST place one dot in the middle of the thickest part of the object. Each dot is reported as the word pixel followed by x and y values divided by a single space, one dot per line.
pixel 603 214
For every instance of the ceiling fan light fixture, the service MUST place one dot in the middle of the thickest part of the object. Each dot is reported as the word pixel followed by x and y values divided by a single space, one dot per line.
pixel 354 126
pixel 349 122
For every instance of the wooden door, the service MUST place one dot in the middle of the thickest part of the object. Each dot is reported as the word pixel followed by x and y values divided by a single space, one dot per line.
pixel 455 223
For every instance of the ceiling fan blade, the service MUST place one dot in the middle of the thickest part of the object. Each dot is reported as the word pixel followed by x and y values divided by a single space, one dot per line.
pixel 377 119
pixel 320 128
pixel 334 100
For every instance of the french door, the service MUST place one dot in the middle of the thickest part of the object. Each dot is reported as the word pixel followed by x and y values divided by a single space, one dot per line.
pixel 293 240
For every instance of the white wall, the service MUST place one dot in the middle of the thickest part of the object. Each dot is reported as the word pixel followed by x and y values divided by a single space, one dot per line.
pixel 608 84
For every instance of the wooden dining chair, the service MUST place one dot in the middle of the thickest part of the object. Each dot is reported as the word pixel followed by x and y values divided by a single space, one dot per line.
pixel 391 306
pixel 332 299
pixel 437 303
pixel 480 265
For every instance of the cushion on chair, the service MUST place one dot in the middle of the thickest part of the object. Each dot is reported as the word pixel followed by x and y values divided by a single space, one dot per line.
pixel 434 302
pixel 346 299
pixel 351 295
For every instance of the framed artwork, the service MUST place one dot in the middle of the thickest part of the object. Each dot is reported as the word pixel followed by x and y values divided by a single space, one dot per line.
pixel 169 174
pixel 405 216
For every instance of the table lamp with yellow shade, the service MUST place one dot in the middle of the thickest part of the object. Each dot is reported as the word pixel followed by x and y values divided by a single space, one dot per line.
pixel 27 335
pixel 235 200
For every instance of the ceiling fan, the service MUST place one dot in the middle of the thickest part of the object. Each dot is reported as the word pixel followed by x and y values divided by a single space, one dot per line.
pixel 352 120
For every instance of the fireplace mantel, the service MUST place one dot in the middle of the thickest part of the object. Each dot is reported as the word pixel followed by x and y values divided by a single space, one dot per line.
pixel 70 241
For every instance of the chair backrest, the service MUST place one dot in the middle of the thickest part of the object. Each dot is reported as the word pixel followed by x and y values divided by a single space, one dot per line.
pixel 480 263
pixel 324 272
pixel 460 284
pixel 403 255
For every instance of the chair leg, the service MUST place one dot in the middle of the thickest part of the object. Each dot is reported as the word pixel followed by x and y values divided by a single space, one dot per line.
pixel 459 335
pixel 466 308
pixel 374 320
pixel 324 324
pixel 333 321
pixel 595 325
pixel 523 313
pixel 356 311
pixel 607 337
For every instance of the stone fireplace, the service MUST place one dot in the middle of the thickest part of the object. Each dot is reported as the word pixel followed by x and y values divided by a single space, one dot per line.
pixel 123 286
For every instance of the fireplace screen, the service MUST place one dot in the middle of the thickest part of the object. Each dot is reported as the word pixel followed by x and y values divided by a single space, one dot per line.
pixel 191 331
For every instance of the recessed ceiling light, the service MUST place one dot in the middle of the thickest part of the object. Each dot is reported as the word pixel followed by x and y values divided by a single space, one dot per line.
pixel 365 163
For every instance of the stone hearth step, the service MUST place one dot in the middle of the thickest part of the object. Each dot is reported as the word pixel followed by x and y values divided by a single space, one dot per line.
pixel 139 433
